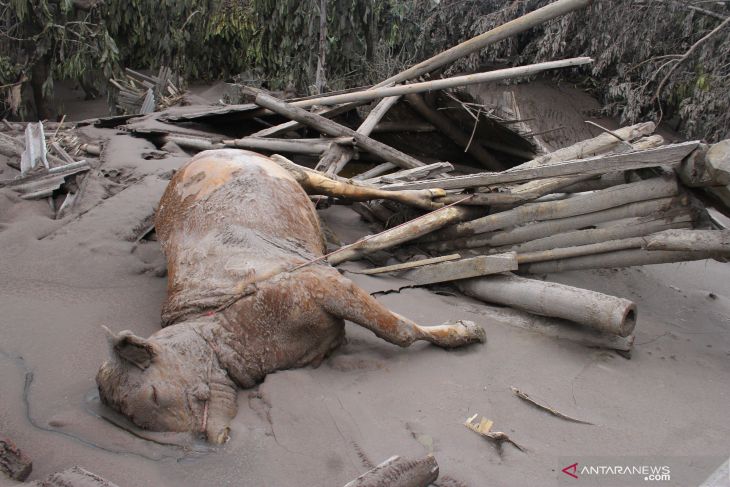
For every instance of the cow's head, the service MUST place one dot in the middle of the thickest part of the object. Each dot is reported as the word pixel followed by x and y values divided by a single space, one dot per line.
pixel 169 382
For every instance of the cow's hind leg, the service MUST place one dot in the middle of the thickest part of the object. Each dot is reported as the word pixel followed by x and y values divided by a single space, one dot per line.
pixel 342 298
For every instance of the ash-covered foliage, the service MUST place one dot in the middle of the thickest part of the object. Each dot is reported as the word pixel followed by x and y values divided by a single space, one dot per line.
pixel 635 44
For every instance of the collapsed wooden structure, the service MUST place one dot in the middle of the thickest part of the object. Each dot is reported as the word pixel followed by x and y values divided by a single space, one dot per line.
pixel 493 205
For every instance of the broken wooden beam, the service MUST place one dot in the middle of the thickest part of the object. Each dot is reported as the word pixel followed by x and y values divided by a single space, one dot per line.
pixel 399 472
pixel 336 130
pixel 602 312
pixel 668 155
pixel 336 157
pixel 482 265
pixel 716 241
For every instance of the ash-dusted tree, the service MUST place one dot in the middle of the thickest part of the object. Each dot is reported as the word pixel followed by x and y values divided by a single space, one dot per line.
pixel 654 59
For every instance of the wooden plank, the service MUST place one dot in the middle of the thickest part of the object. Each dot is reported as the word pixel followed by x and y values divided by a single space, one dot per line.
pixel 408 265
pixel 334 129
pixel 462 269
pixel 668 155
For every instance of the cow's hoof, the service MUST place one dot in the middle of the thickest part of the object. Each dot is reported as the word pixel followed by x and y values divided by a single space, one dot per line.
pixel 474 332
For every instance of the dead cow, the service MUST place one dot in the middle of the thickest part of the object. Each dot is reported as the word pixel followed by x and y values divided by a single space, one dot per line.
pixel 235 228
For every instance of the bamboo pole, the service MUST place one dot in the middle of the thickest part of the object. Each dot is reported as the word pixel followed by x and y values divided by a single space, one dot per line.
pixel 414 174
pixel 602 312
pixel 336 130
pixel 544 229
pixel 513 27
pixel 621 258
pixel 579 205
pixel 448 128
pixel 383 90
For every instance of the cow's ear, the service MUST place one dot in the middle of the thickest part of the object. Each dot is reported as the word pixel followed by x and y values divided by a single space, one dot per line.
pixel 138 351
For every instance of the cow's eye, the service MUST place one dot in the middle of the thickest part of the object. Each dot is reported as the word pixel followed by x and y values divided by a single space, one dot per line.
pixel 155 399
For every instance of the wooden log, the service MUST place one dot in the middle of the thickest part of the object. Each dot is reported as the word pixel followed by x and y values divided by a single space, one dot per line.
pixel 403 233
pixel 336 158
pixel 544 229
pixel 13 462
pixel 482 265
pixel 414 174
pixel 612 230
pixel 449 128
pixel 707 166
pixel 314 147
pixel 602 312
pixel 336 130
pixel 579 205
pixel 717 241
pixel 408 265
pixel 669 155
pixel 399 472
pixel 611 260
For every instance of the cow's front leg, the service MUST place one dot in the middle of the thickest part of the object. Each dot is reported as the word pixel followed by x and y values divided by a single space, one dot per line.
pixel 344 299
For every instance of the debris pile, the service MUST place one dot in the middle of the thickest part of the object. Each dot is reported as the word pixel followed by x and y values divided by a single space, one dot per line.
pixel 138 93
pixel 49 163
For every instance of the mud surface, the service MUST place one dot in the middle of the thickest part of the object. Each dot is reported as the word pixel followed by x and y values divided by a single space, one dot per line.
pixel 62 279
